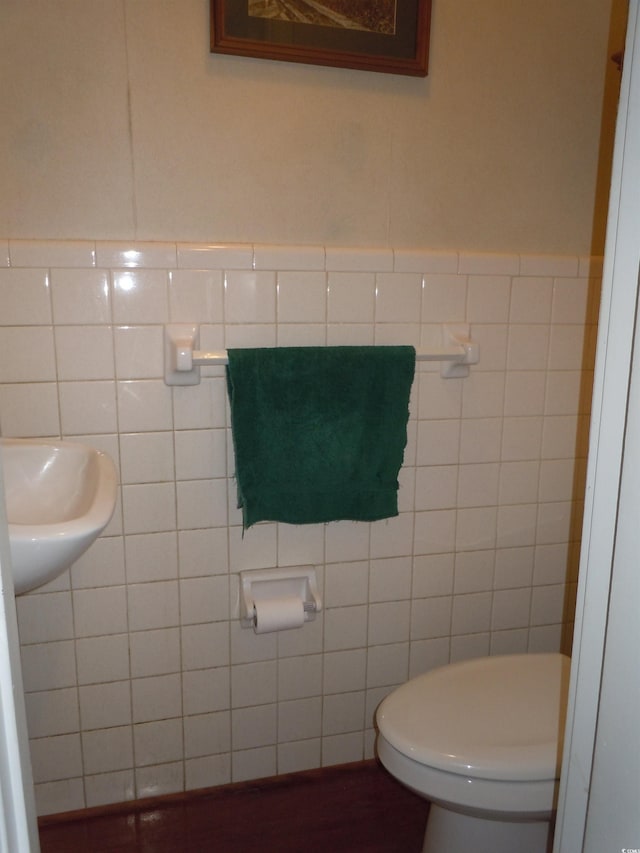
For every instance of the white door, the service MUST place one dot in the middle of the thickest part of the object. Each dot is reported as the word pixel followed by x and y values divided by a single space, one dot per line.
pixel 599 808
pixel 18 825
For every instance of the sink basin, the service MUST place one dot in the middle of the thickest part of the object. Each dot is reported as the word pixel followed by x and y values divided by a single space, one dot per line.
pixel 60 496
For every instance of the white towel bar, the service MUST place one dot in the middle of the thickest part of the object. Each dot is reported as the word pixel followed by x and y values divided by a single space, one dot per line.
pixel 182 360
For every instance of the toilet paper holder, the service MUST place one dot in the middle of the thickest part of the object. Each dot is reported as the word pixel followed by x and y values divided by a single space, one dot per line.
pixel 263 584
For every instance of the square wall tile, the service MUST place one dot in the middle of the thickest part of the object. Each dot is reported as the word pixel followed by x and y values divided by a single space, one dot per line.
pixel 154 652
pixel 434 532
pixel 201 503
pixel 196 296
pixel 103 658
pixel 27 354
pixel 144 406
pixel 432 575
pixel 200 406
pixel 345 627
pixel 44 618
pixel 156 698
pixel 431 617
pixel 80 296
pixel 249 297
pixel 398 297
pixel 29 410
pixel 207 734
pixel 88 407
pixel 387 664
pixel 109 749
pixel 105 705
pixel 299 719
pixel 299 677
pixel 343 712
pixel 444 298
pixel 153 605
pixel 488 299
pixel 428 654
pixel 346 583
pixel 510 609
pixel 152 557
pixel 389 622
pixel 84 352
pixel 140 296
pixel 471 613
pixel 206 691
pixel 100 611
pixel 149 508
pixel 139 352
pixel 253 727
pixel 146 457
pixel 492 340
pixel 344 671
pixel 158 742
pixel 480 440
pixel 253 684
pixel 302 297
pixel 203 552
pixel 473 571
pixel 25 297
pixel 55 758
pixel 528 347
pixel 351 297
pixel 483 395
pixel 570 300
pixel 438 442
pixel 200 454
pixel 205 646
pixel 513 567
pixel 52 712
pixel 390 580
pixel 531 299
pixel 524 393
pixel 204 599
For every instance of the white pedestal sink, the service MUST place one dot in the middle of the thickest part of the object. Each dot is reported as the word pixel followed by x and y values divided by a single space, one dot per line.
pixel 60 496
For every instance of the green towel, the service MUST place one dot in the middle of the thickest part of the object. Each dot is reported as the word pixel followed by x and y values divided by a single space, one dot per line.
pixel 319 432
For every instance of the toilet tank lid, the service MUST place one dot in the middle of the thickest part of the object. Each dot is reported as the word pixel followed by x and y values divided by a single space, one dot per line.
pixel 492 718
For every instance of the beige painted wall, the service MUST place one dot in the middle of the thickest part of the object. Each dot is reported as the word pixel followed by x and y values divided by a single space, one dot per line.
pixel 119 124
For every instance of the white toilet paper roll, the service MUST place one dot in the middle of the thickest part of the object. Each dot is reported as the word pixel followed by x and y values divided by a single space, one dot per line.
pixel 275 614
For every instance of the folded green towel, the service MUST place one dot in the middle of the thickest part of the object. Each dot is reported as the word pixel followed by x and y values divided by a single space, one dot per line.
pixel 319 432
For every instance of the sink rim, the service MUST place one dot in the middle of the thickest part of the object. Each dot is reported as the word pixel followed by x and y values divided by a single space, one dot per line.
pixel 97 510
pixel 40 552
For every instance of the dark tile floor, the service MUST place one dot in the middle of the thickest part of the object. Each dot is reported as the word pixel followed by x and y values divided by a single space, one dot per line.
pixel 351 809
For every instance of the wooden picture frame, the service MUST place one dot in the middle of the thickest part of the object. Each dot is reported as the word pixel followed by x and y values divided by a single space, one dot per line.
pixel 319 33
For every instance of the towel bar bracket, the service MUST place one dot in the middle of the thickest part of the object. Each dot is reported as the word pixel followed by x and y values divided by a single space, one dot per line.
pixel 183 359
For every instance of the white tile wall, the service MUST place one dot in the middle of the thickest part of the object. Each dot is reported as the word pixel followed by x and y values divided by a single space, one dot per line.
pixel 139 678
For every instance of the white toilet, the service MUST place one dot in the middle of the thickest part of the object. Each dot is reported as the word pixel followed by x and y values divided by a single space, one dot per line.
pixel 482 741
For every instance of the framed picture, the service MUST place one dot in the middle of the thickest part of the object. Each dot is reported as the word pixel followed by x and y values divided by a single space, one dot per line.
pixel 391 36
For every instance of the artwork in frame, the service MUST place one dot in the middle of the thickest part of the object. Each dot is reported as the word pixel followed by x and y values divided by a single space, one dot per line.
pixel 391 36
